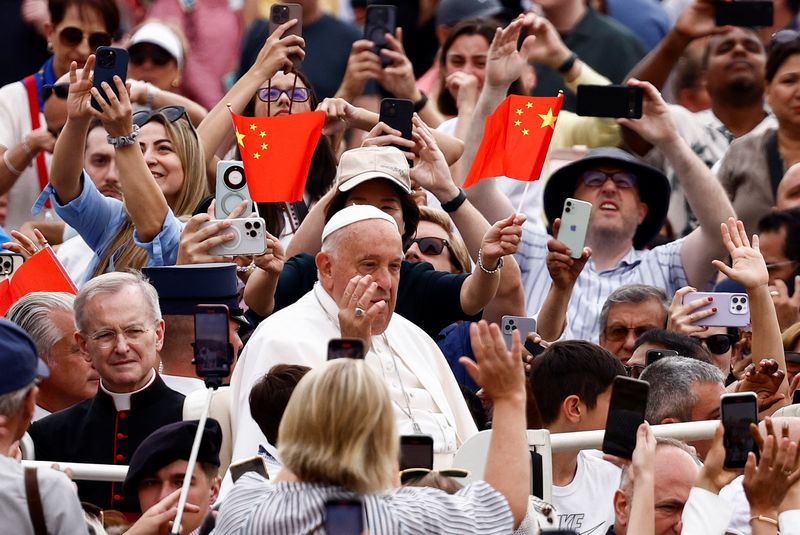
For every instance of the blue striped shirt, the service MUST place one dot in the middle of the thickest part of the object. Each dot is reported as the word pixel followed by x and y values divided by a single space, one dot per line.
pixel 661 267
pixel 255 506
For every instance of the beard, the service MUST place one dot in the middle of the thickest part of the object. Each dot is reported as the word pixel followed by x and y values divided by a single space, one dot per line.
pixel 742 91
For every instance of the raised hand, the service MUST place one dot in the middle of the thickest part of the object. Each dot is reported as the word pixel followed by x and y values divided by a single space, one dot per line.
pixel 656 124
pixel 196 241
pixel 357 312
pixel 563 269
pixel 698 20
pixel 502 239
pixel 381 135
pixel 24 245
pixel 338 114
pixel 116 112
pixel 362 66
pixel 713 475
pixel 80 86
pixel 768 480
pixel 681 318
pixel 430 168
pixel 548 48
pixel 398 77
pixel 465 88
pixel 159 518
pixel 499 372
pixel 504 62
pixel 765 379
pixel 278 52
pixel 747 265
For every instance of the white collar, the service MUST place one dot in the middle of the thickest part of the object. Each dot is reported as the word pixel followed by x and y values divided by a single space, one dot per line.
pixel 122 401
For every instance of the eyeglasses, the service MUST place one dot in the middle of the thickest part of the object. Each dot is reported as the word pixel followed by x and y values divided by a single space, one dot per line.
pixel 634 370
pixel 775 265
pixel 621 179
pixel 717 343
pixel 617 333
pixel 783 36
pixel 412 474
pixel 170 113
pixel 272 94
pixel 139 54
pixel 72 36
pixel 59 90
pixel 107 338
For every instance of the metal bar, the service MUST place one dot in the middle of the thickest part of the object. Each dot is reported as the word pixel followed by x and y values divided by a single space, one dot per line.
pixel 86 471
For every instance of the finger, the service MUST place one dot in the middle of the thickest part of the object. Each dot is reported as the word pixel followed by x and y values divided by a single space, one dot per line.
pixel 358 291
pixel 238 210
pixel 750 467
pixel 472 368
pixel 349 289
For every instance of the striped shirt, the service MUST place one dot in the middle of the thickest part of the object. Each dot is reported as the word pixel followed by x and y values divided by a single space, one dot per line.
pixel 256 506
pixel 661 267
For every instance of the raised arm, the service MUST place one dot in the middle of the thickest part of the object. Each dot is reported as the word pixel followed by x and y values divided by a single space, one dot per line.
pixel 144 93
pixel 705 194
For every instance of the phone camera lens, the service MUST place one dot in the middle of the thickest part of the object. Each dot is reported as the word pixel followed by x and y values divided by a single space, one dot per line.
pixel 744 300
pixel 248 226
pixel 569 203
pixel 735 300
pixel 256 225
pixel 738 307
pixel 567 210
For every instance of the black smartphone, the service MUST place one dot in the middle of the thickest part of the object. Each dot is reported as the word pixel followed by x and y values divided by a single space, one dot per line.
pixel 653 355
pixel 381 20
pixel 534 349
pixel 416 451
pixel 283 13
pixel 213 354
pixel 397 113
pixel 749 13
pixel 345 348
pixel 344 516
pixel 796 397
pixel 737 412
pixel 625 415
pixel 251 464
pixel 109 61
pixel 610 101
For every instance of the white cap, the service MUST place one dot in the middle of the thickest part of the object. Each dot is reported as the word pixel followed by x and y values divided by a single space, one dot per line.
pixel 159 34
pixel 354 214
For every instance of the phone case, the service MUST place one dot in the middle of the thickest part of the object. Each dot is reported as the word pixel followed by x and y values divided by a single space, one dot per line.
pixel 110 61
pixel 381 19
pixel 737 412
pixel 231 189
pixel 574 224
pixel 9 263
pixel 397 113
pixel 281 13
pixel 733 309
pixel 625 414
pixel 509 324
pixel 609 101
pixel 250 237
pixel 749 13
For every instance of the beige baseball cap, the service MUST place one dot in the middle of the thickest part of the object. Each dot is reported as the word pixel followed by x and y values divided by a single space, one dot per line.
pixel 357 166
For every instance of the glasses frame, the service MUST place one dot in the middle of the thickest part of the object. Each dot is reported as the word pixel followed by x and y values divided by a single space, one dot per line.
pixel 95 336
pixel 638 331
pixel 630 370
pixel 95 39
pixel 629 180
pixel 732 339
pixel 287 92
pixel 411 474
pixel 170 113
pixel 158 55
pixel 59 90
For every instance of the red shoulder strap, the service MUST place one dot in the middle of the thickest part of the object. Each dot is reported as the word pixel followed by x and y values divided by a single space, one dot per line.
pixel 33 106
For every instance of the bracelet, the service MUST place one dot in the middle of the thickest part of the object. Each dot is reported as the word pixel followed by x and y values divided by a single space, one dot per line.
pixel 124 141
pixel 9 165
pixel 455 203
pixel 483 268
pixel 249 268
pixel 151 94
pixel 766 519
pixel 568 64
pixel 418 105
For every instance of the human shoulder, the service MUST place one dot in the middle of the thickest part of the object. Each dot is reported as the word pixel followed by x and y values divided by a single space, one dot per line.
pixel 599 468
pixel 62 419
pixel 741 148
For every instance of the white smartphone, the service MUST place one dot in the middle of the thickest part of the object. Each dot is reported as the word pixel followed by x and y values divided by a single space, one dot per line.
pixel 509 324
pixel 231 189
pixel 250 237
pixel 574 223
pixel 9 263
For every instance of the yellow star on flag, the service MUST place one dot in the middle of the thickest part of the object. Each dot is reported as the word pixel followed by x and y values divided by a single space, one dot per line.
pixel 519 111
pixel 524 131
pixel 263 146
pixel 253 126
pixel 262 133
pixel 548 119
pixel 529 105
pixel 239 138
pixel 256 156
pixel 517 123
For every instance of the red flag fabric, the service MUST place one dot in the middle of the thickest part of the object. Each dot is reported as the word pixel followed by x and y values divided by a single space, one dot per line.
pixel 40 273
pixel 516 139
pixel 276 152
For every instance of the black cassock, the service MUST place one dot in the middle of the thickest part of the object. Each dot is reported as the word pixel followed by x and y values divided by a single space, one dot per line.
pixel 93 431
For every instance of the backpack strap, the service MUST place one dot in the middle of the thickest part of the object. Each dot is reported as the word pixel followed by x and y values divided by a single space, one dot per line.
pixel 34 502
pixel 33 107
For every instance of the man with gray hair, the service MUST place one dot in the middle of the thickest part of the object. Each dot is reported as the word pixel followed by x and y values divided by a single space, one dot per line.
pixel 60 511
pixel 630 311
pixel 683 390
pixel 120 331
pixel 50 321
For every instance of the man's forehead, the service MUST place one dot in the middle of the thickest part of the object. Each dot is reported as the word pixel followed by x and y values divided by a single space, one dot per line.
pixel 736 34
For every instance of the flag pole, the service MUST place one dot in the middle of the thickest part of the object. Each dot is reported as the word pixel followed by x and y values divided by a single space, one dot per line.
pixel 522 198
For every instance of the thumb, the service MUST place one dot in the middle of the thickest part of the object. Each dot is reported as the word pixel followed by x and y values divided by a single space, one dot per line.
pixel 472 368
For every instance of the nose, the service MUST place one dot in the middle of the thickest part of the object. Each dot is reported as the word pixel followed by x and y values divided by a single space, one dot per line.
pixel 679 526
pixel 166 489
pixel 112 177
pixel 149 153
pixel 413 254
pixel 609 185
pixel 83 48
pixel 382 278
pixel 630 342
pixel 121 343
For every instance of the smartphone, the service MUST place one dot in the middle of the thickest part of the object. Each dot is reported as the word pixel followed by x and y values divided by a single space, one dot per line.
pixel 534 349
pixel 749 13
pixel 416 451
pixel 733 309
pixel 396 113
pixel 653 355
pixel 231 189
pixel 610 101
pixel 625 415
pixel 796 397
pixel 249 237
pixel 213 354
pixel 110 61
pixel 345 348
pixel 9 263
pixel 344 516
pixel 574 224
pixel 737 412
pixel 282 13
pixel 509 324
pixel 251 464
pixel 381 20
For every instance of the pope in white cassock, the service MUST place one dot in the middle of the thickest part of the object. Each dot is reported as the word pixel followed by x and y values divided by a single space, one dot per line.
pixel 359 271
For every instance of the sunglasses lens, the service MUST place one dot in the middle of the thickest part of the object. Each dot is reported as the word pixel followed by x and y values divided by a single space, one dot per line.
pixel 718 344
pixel 173 113
pixel 71 36
pixel 141 117
pixel 430 246
pixel 61 90
pixel 99 39
pixel 160 57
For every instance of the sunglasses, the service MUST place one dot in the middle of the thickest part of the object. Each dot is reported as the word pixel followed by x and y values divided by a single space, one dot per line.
pixel 621 179
pixel 717 343
pixel 783 36
pixel 429 246
pixel 170 113
pixel 272 94
pixel 72 36
pixel 634 370
pixel 137 55
pixel 412 474
pixel 59 90
pixel 620 332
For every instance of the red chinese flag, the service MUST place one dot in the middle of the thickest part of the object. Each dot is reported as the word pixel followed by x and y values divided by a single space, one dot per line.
pixel 276 152
pixel 516 139
pixel 40 273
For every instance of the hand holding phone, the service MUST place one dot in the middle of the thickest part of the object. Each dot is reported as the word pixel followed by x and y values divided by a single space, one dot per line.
pixel 283 13
pixel 574 225
pixel 397 113
pixel 737 412
pixel 625 415
pixel 249 237
pixel 509 324
pixel 731 309
pixel 109 62
pixel 251 464
pixel 610 101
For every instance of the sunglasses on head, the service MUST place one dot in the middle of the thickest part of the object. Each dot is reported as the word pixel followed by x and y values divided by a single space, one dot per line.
pixel 72 36
pixel 412 474
pixel 59 90
pixel 783 36
pixel 171 113
pixel 717 343
pixel 137 55
pixel 272 94
pixel 621 179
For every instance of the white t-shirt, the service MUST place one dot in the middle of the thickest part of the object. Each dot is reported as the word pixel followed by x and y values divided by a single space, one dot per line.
pixel 587 503
pixel 75 255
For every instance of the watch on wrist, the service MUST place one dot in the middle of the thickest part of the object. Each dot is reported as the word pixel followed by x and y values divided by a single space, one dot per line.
pixel 124 141
pixel 419 104
pixel 455 204
pixel 565 67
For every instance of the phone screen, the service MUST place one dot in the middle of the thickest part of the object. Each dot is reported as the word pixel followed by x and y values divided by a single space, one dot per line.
pixel 345 348
pixel 211 342
pixel 609 101
pixel 416 451
pixel 738 412
pixel 625 415
pixel 344 517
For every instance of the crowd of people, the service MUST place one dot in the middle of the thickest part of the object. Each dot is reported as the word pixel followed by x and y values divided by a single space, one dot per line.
pixel 695 201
